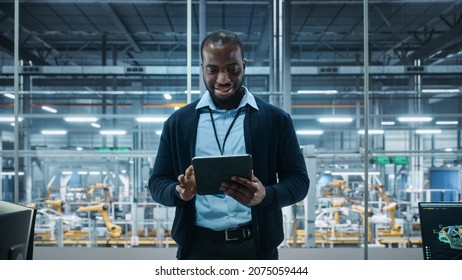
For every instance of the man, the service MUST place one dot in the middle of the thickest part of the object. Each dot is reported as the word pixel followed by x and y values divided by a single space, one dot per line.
pixel 245 222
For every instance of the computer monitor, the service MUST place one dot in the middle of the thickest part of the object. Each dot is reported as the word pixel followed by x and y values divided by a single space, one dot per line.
pixel 17 224
pixel 441 228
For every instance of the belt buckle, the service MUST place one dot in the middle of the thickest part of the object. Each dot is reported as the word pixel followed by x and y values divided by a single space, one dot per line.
pixel 246 232
pixel 227 238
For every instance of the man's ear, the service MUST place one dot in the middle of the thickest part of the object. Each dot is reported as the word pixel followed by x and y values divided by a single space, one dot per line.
pixel 244 62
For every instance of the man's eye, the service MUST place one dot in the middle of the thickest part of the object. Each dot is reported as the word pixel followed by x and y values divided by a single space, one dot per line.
pixel 211 70
pixel 233 69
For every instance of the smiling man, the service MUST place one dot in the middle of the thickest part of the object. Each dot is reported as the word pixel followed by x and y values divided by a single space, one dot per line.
pixel 245 222
pixel 223 67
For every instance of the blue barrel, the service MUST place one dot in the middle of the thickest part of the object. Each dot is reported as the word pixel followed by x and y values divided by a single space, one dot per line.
pixel 447 180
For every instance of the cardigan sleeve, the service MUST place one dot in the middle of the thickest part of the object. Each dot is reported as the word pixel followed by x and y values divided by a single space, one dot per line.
pixel 174 155
pixel 293 182
pixel 163 180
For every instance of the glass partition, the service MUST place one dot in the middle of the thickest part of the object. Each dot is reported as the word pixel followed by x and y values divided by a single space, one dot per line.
pixel 97 81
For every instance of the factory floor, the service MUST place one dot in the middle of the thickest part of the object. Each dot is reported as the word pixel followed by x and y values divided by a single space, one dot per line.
pixel 144 253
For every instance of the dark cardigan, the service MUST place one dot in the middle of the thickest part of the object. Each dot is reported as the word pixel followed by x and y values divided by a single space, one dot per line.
pixel 277 161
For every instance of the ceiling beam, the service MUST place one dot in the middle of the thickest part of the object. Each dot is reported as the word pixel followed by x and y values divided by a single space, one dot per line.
pixel 449 38
pixel 250 70
pixel 8 45
pixel 30 56
pixel 121 26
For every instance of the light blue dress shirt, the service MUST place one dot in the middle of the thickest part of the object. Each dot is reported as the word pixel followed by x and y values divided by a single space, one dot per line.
pixel 220 212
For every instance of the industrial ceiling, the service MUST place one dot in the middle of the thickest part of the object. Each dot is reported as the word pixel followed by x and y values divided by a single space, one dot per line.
pixel 114 60
pixel 148 33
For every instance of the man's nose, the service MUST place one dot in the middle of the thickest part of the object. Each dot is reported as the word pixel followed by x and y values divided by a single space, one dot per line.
pixel 223 77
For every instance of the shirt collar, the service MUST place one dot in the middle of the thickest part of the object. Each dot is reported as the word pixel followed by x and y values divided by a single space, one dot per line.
pixel 206 101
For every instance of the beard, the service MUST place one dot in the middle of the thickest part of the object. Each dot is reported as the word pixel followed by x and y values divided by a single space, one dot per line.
pixel 230 101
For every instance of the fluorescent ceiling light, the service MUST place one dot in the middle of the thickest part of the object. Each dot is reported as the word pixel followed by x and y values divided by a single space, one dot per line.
pixel 333 91
pixel 9 119
pixel 448 149
pixel 447 122
pixel 372 131
pixel 113 132
pixel 11 173
pixel 451 90
pixel 49 109
pixel 428 131
pixel 95 173
pixel 79 149
pixel 159 132
pixel 193 91
pixel 168 96
pixel 82 172
pixel 97 125
pixel 80 119
pixel 309 132
pixel 415 119
pixel 66 172
pixel 353 173
pixel 151 119
pixel 54 132
pixel 176 108
pixel 388 123
pixel 335 120
pixel 9 95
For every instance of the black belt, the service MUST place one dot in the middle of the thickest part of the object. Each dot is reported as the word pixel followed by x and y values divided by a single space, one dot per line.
pixel 230 234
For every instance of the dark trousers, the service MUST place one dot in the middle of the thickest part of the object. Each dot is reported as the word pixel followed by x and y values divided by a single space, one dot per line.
pixel 209 245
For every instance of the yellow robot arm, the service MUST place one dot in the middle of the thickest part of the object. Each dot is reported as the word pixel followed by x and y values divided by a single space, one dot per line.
pixel 57 204
pixel 113 229
pixel 391 208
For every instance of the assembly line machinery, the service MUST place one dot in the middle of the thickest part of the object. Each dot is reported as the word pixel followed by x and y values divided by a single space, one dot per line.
pixel 97 220
pixel 340 216
pixel 98 215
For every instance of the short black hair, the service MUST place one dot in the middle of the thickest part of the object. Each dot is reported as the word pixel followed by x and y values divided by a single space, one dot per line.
pixel 222 37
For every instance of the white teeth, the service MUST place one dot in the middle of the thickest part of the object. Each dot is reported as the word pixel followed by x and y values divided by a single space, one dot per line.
pixel 223 89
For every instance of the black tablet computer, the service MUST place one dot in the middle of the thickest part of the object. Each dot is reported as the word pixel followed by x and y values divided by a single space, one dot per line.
pixel 210 171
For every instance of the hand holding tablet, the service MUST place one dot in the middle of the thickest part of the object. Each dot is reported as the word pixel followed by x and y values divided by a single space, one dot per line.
pixel 211 171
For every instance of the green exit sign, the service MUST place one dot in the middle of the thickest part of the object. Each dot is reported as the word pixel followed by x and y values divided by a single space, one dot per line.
pixel 399 160
pixel 382 160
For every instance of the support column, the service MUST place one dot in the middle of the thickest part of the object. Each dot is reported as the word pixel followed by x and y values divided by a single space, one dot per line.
pixel 310 200
pixel 188 51
pixel 25 143
pixel 103 88
pixel 202 35
pixel 16 102
pixel 286 75
pixel 271 44
pixel 275 59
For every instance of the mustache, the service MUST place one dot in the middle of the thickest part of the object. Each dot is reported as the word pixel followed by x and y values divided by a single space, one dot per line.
pixel 232 85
